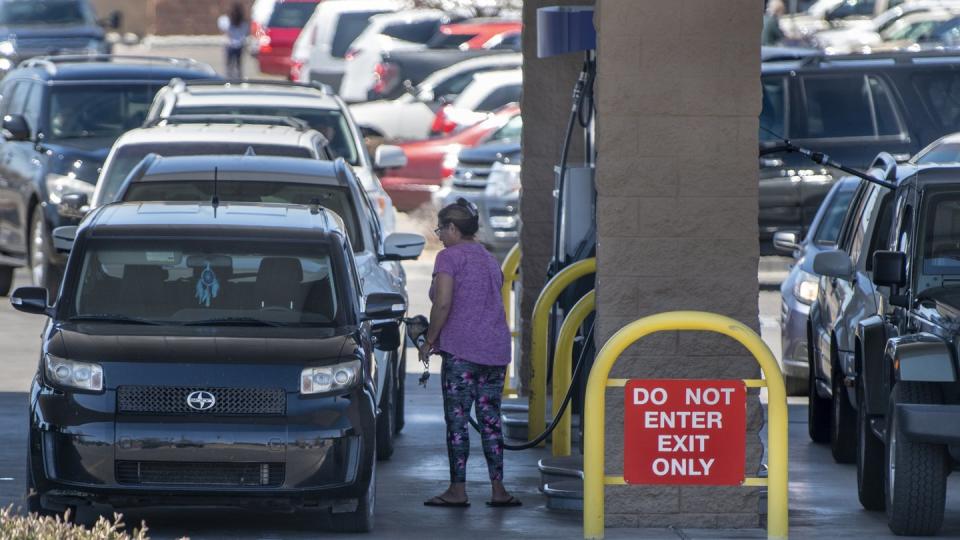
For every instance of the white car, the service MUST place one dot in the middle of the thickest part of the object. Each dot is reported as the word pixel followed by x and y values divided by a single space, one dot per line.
pixel 317 106
pixel 328 34
pixel 883 27
pixel 404 30
pixel 488 92
pixel 409 116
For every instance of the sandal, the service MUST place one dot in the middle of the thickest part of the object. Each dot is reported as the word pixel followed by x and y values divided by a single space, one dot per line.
pixel 512 501
pixel 440 501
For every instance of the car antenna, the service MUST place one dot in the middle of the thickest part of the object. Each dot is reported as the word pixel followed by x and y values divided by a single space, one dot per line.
pixel 215 202
pixel 821 159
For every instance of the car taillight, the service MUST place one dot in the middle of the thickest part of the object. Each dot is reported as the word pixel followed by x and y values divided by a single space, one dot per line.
pixel 296 70
pixel 384 78
pixel 265 46
pixel 442 123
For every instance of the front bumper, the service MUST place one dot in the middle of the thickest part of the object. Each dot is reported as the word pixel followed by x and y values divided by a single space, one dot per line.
pixel 924 423
pixel 318 454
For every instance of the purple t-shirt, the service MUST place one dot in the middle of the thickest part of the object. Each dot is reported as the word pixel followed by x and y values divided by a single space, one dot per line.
pixel 476 329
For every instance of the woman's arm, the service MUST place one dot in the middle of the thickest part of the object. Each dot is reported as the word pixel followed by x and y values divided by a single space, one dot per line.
pixel 442 300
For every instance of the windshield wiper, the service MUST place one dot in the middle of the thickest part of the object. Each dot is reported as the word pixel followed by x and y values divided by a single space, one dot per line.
pixel 239 321
pixel 113 318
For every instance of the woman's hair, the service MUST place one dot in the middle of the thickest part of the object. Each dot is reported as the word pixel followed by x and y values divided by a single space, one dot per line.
pixel 237 15
pixel 464 216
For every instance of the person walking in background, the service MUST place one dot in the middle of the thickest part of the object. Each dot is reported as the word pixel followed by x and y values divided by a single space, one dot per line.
pixel 771 34
pixel 236 28
pixel 468 329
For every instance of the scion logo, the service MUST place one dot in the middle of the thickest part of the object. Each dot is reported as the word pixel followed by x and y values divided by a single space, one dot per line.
pixel 201 400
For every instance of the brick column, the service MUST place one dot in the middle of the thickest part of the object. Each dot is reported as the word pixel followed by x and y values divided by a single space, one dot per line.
pixel 678 97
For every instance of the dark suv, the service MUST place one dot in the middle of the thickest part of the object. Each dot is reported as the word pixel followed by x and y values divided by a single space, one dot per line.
pixel 60 117
pixel 850 107
pixel 208 354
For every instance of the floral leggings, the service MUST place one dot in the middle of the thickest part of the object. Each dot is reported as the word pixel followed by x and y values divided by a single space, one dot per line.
pixel 465 384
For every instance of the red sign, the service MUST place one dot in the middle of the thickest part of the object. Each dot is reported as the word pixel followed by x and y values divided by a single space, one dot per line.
pixel 678 431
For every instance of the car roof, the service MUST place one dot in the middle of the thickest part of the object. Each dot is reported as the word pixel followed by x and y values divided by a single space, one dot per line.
pixel 215 132
pixel 243 168
pixel 377 22
pixel 935 173
pixel 190 219
pixel 344 6
pixel 198 93
pixel 113 67
pixel 504 76
pixel 887 60
pixel 492 60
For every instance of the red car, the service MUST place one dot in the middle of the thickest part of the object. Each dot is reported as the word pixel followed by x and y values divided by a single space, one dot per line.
pixel 430 161
pixel 474 34
pixel 281 31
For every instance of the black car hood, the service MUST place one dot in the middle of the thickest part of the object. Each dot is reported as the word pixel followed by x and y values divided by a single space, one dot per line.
pixel 83 156
pixel 505 151
pixel 51 32
pixel 945 301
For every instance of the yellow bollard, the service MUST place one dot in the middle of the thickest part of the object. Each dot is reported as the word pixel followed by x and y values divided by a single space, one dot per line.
pixel 511 273
pixel 562 362
pixel 538 347
pixel 595 416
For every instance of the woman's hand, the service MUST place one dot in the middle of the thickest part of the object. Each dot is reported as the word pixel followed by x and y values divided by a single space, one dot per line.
pixel 425 353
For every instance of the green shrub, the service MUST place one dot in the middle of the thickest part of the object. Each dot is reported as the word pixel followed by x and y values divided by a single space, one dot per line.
pixel 34 527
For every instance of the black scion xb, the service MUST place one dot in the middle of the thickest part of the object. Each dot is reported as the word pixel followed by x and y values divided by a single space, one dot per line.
pixel 208 355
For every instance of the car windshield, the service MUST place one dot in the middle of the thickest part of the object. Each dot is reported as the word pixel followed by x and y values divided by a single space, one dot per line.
pixel 206 282
pixel 829 229
pixel 334 198
pixel 941 234
pixel 291 14
pixel 44 12
pixel 127 157
pixel 943 153
pixel 98 110
pixel 510 131
pixel 330 122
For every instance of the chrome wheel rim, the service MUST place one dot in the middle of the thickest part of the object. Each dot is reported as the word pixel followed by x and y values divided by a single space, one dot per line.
pixel 38 258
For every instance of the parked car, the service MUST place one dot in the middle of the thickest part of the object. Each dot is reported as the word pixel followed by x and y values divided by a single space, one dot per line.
pixel 489 91
pixel 908 31
pixel 851 109
pixel 276 37
pixel 260 13
pixel 826 14
pixel 432 160
pixel 476 34
pixel 403 30
pixel 29 28
pixel 194 358
pixel 847 39
pixel 316 105
pixel 242 179
pixel 799 289
pixel 328 35
pixel 409 116
pixel 407 69
pixel 60 115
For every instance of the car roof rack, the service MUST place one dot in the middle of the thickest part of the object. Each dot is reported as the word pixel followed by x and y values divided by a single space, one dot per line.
pixel 181 84
pixel 51 62
pixel 238 119
pixel 897 57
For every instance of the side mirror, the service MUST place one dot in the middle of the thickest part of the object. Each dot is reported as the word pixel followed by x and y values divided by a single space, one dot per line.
pixel 403 247
pixel 15 128
pixel 786 241
pixel 833 263
pixel 64 237
pixel 890 269
pixel 384 306
pixel 388 156
pixel 74 205
pixel 30 300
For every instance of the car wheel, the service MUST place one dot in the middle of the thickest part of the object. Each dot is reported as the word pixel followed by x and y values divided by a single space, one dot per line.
pixel 796 386
pixel 915 483
pixel 361 519
pixel 400 420
pixel 386 420
pixel 870 463
pixel 42 270
pixel 6 280
pixel 843 434
pixel 818 412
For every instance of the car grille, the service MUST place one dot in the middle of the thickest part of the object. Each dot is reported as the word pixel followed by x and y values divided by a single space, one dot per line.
pixel 229 401
pixel 205 474
pixel 472 174
pixel 34 46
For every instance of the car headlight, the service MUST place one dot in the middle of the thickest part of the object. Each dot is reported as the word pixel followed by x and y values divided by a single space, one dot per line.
pixel 806 287
pixel 74 374
pixel 319 380
pixel 7 48
pixel 504 180
pixel 59 185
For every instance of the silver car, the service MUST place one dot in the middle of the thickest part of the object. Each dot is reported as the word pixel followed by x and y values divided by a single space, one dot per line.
pixel 799 290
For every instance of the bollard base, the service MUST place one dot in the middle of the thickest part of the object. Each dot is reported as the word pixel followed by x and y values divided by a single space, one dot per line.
pixel 564 495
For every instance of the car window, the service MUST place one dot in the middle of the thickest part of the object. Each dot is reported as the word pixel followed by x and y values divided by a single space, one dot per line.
pixel 860 227
pixel 33 105
pixel 853 8
pixel 774 113
pixel 95 110
pixel 940 92
pixel 449 41
pixel 941 234
pixel 512 41
pixel 349 26
pixel 415 32
pixel 291 14
pixel 828 231
pixel 334 198
pixel 839 106
pixel 510 131
pixel 452 86
pixel 503 95
pixel 18 98
pixel 127 157
pixel 881 231
pixel 44 12
pixel 199 282
pixel 852 218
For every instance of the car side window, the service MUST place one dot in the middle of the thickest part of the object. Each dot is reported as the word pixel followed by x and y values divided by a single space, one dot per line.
pixel 374 221
pixel 18 98
pixel 31 109
pixel 415 32
pixel 500 97
pixel 842 106
pixel 853 217
pixel 940 93
pixel 862 224
pixel 773 116
pixel 881 231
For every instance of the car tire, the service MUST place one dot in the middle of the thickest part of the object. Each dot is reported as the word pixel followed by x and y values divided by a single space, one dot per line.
pixel 360 520
pixel 818 412
pixel 6 280
pixel 400 419
pixel 870 461
pixel 386 420
pixel 43 272
pixel 843 424
pixel 915 479
pixel 796 386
